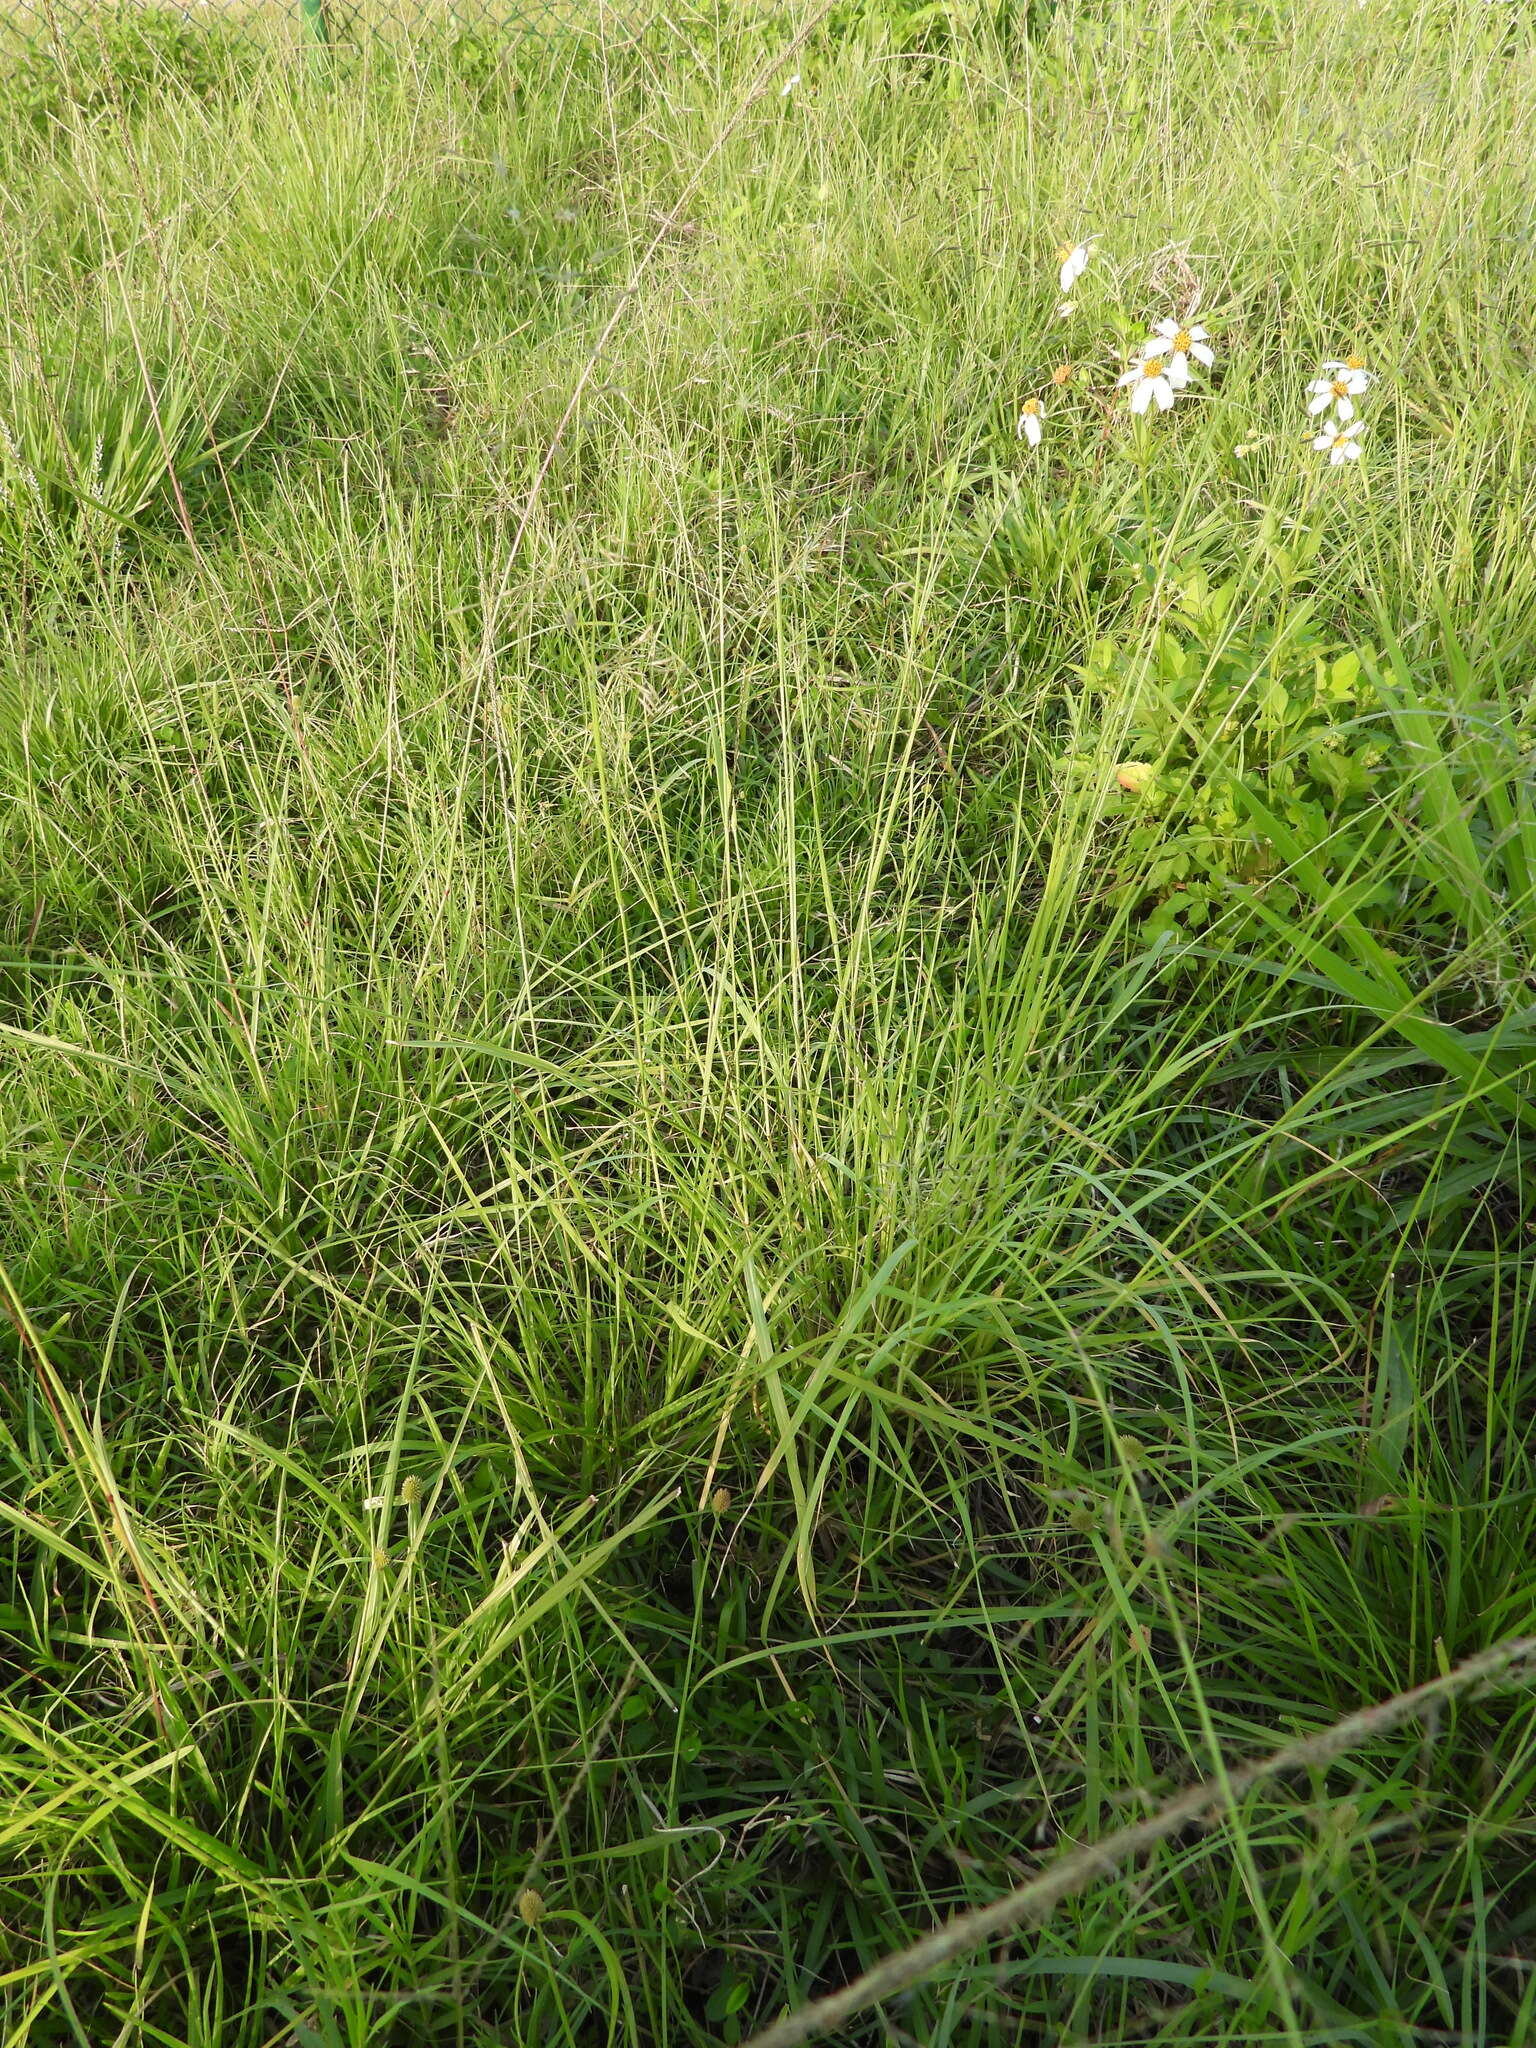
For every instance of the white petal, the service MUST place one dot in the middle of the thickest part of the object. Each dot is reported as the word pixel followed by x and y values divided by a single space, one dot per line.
pixel 1141 397
pixel 1162 390
pixel 1350 452
pixel 1358 381
pixel 1167 329
pixel 1132 376
pixel 1178 371
pixel 1320 403
pixel 1032 429
pixel 1063 309
pixel 1323 443
pixel 1198 334
pixel 1201 353
pixel 1346 409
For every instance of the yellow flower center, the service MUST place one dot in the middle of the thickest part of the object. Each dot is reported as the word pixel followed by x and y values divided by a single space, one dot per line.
pixel 1354 362
pixel 1152 367
pixel 1340 387
pixel 1182 340
pixel 1032 405
pixel 1064 252
pixel 1339 440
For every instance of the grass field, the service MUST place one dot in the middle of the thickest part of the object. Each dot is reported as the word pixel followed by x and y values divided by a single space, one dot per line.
pixel 763 1155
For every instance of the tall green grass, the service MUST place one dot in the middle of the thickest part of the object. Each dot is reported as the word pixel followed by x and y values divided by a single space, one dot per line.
pixel 640 1270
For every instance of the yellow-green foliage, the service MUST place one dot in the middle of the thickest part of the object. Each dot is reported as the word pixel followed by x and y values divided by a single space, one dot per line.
pixel 756 1150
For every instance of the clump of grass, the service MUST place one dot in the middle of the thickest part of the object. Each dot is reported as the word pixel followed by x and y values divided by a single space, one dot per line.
pixel 89 448
pixel 663 1320
pixel 79 67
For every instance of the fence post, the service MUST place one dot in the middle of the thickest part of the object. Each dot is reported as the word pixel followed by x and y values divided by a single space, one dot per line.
pixel 315 21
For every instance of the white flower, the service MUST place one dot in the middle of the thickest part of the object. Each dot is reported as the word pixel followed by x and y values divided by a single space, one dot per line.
pixel 1339 386
pixel 1150 377
pixel 1073 258
pixel 788 86
pixel 1351 366
pixel 1063 311
pixel 1339 442
pixel 1178 344
pixel 375 1500
pixel 1029 421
